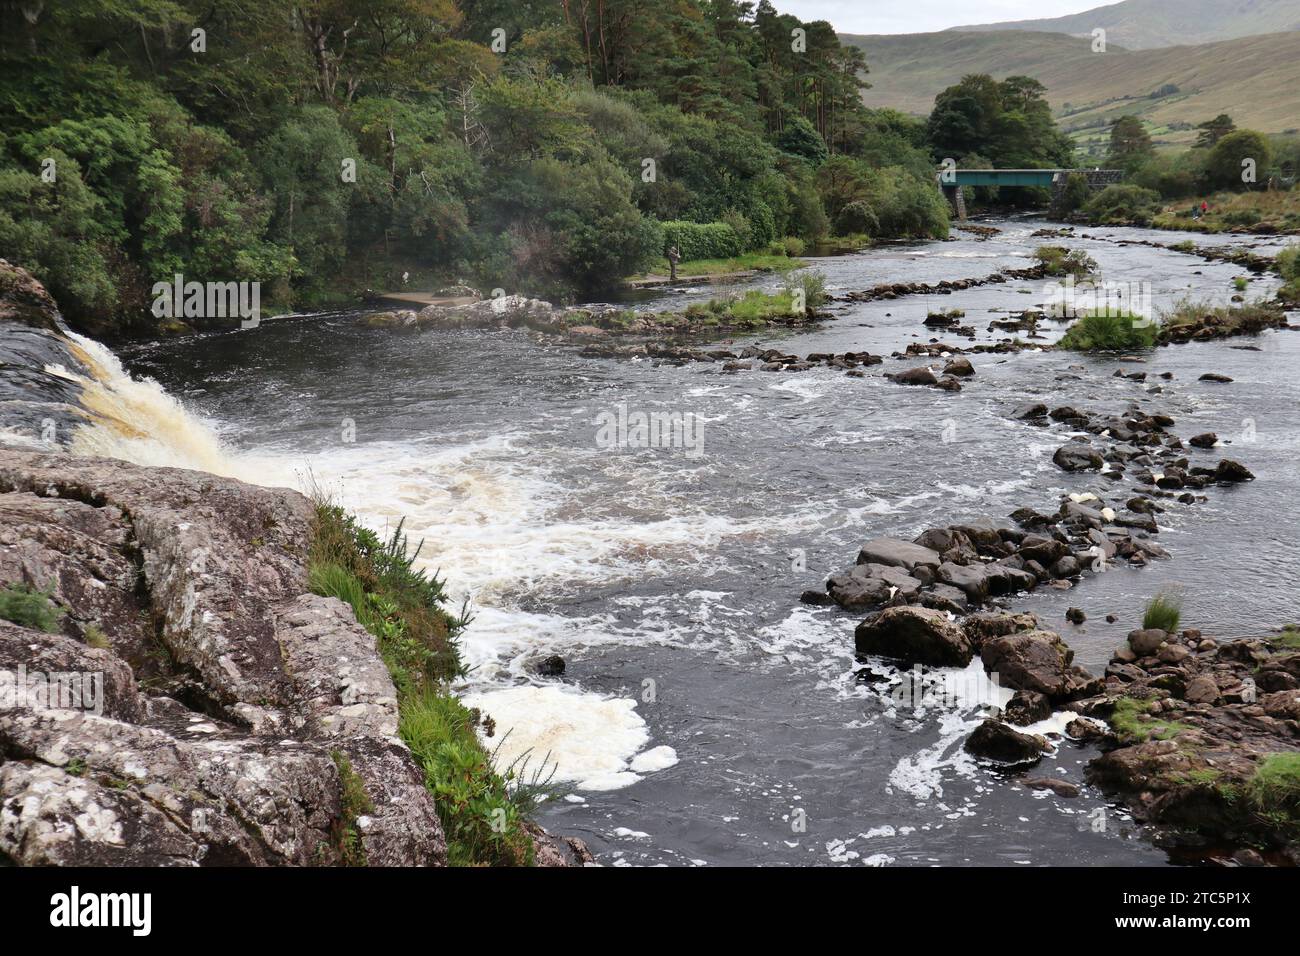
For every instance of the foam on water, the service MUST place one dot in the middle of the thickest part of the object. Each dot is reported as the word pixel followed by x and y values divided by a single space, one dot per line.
pixel 592 741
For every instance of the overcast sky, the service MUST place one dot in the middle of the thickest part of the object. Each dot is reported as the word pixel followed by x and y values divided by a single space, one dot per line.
pixel 925 16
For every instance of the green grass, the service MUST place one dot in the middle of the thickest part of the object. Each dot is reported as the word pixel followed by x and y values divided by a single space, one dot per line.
pixel 1241 283
pixel 769 261
pixel 1163 612
pixel 757 308
pixel 483 810
pixel 26 607
pixel 355 802
pixel 1105 331
pixel 1133 724
pixel 1273 791
pixel 1288 638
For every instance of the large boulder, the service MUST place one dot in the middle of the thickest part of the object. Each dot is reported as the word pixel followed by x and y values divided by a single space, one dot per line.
pixel 994 740
pixel 971 580
pixel 1078 456
pixel 1038 661
pixel 916 635
pixel 899 553
pixel 501 310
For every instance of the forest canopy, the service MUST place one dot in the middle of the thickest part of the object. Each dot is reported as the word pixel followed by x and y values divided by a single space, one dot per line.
pixel 323 147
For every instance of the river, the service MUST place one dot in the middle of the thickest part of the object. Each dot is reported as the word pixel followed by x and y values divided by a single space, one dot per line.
pixel 706 717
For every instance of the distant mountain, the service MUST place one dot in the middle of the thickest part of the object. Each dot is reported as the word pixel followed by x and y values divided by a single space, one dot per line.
pixel 1146 24
pixel 1253 79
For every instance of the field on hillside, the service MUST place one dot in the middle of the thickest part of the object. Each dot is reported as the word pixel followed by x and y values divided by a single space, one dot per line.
pixel 1143 24
pixel 1253 79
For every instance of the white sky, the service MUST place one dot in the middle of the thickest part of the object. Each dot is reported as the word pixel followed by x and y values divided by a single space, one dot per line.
pixel 925 16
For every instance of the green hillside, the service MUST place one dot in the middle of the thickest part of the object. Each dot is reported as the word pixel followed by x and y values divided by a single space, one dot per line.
pixel 1145 24
pixel 1253 79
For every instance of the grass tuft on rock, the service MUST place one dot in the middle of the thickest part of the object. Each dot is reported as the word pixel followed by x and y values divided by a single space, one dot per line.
pixel 484 812
pixel 1106 331
pixel 1163 612
pixel 1273 791
pixel 26 607
pixel 354 803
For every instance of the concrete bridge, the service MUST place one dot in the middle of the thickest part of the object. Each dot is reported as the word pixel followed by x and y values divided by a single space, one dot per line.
pixel 951 181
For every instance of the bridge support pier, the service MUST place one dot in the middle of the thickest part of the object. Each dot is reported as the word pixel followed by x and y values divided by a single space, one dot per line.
pixel 958 201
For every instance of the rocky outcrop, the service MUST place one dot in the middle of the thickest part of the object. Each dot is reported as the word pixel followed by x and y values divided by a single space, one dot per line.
pixel 37 406
pixel 1205 737
pixel 234 704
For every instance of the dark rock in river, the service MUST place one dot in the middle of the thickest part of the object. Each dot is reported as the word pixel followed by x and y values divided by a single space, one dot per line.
pixel 1039 661
pixel 1232 471
pixel 916 635
pixel 895 551
pixel 994 740
pixel 1078 456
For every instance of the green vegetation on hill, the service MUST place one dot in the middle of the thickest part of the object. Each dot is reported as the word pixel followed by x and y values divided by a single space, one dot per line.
pixel 322 148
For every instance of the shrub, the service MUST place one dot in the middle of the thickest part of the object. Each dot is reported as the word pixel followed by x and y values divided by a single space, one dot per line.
pixel 1058 261
pixel 1122 204
pixel 1106 331
pixel 1163 613
pixel 1288 263
pixel 702 240
pixel 1075 194
pixel 813 286
pixel 857 218
pixel 28 608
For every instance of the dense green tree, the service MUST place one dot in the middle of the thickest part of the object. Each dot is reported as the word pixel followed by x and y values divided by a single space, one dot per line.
pixel 1238 161
pixel 1130 144
pixel 1010 122
pixel 1214 130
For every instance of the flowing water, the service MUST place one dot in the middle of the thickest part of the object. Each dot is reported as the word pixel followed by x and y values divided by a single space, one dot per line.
pixel 706 716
